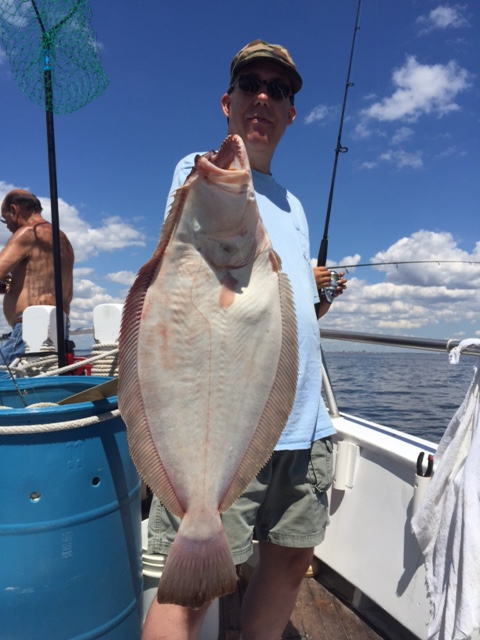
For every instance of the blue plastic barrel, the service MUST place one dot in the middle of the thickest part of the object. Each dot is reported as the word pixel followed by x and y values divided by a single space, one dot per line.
pixel 70 518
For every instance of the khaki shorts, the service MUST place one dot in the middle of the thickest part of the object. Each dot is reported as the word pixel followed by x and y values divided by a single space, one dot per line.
pixel 285 504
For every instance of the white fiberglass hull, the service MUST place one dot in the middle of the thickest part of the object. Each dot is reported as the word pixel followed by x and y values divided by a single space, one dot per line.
pixel 369 541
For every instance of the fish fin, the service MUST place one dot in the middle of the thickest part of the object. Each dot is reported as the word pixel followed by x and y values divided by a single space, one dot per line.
pixel 226 296
pixel 197 570
pixel 142 448
pixel 275 260
pixel 279 403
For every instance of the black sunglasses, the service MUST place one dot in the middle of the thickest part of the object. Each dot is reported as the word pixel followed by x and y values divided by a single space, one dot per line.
pixel 276 89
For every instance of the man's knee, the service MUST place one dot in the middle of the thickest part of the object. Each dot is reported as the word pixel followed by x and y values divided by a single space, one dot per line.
pixel 293 562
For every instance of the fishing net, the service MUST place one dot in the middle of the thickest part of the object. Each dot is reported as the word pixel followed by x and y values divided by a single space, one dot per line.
pixel 53 52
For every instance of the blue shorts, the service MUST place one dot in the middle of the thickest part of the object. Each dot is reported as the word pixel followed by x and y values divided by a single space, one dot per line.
pixel 13 347
pixel 286 504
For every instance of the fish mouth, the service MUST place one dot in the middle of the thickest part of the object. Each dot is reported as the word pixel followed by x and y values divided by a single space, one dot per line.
pixel 229 165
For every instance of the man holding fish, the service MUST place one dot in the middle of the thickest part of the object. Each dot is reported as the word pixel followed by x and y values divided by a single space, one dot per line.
pixel 286 501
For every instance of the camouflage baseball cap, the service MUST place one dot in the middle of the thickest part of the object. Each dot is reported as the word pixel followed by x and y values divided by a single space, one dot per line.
pixel 259 49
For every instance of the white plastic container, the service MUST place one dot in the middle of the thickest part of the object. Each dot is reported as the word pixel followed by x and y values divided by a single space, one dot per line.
pixel 152 567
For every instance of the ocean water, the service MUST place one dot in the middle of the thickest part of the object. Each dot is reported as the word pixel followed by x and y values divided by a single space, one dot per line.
pixel 412 391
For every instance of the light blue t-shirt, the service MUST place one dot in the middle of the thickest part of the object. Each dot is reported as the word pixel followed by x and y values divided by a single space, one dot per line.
pixel 286 224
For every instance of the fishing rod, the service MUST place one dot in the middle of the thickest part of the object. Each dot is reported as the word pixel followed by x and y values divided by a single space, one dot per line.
pixel 397 262
pixel 322 254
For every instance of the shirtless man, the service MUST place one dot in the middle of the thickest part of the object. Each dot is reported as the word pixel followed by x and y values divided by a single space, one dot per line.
pixel 26 266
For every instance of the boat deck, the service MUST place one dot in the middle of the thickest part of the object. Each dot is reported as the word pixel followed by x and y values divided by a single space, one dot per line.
pixel 318 615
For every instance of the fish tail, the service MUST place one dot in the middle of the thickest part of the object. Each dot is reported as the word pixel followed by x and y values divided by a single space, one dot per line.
pixel 198 568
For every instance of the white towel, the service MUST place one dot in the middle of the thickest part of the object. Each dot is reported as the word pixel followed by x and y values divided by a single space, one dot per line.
pixel 447 524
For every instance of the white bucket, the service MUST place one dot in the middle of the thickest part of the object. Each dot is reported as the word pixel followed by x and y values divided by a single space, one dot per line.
pixel 152 567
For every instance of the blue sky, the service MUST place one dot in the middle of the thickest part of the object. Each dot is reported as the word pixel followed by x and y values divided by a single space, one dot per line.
pixel 408 188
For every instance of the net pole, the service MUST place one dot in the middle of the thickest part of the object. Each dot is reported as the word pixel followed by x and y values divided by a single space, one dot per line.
pixel 52 173
pixel 66 48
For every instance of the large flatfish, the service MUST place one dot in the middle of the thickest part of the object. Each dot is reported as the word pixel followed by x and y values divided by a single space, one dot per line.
pixel 208 365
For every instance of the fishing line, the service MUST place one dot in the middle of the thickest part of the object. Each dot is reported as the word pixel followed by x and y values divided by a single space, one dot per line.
pixel 13 380
pixel 397 262
pixel 322 254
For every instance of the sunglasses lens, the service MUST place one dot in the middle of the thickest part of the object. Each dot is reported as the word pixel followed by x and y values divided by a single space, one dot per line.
pixel 249 84
pixel 276 90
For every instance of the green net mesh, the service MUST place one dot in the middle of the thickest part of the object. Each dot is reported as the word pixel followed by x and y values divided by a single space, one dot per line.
pixel 53 52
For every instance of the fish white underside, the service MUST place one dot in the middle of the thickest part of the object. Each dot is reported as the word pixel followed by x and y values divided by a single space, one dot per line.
pixel 207 366
pixel 215 365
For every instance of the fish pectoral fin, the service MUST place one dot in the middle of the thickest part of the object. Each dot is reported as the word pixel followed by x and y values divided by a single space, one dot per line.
pixel 197 570
pixel 227 293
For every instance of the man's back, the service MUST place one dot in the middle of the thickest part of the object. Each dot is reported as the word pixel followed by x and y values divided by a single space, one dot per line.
pixel 33 281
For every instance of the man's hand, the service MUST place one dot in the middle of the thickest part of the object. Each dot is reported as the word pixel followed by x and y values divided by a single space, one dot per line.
pixel 322 280
pixel 5 284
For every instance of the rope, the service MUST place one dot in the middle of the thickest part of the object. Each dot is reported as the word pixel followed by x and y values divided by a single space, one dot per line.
pixel 48 365
pixel 41 405
pixel 106 364
pixel 110 355
pixel 25 367
pixel 23 429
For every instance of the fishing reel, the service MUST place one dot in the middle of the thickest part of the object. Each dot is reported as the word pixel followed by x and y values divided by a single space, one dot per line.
pixel 330 292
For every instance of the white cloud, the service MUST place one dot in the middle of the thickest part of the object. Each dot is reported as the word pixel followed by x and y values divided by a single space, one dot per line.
pixel 317 114
pixel 113 234
pixel 451 151
pixel 82 272
pixel 87 295
pixel 121 277
pixel 351 261
pixel 430 245
pixel 5 187
pixel 362 130
pixel 402 134
pixel 421 89
pixel 332 264
pixel 396 307
pixel 413 297
pixel 443 17
pixel 402 158
pixel 368 165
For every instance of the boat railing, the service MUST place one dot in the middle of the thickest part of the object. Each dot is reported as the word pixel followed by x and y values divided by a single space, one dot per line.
pixel 424 344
